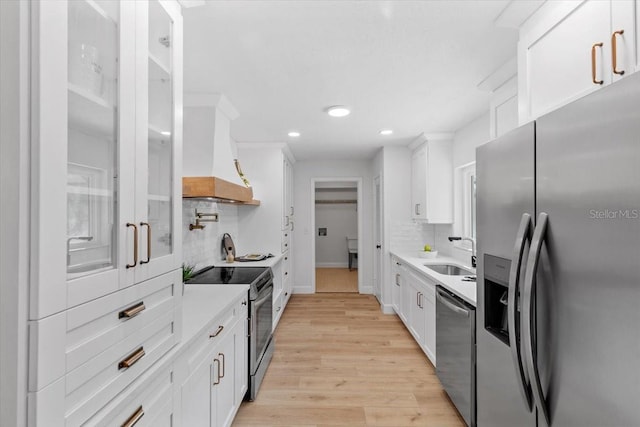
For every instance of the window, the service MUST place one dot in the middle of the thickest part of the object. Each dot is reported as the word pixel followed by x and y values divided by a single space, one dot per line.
pixel 466 203
pixel 469 195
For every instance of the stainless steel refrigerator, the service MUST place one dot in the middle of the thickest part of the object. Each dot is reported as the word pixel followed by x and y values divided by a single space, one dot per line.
pixel 558 220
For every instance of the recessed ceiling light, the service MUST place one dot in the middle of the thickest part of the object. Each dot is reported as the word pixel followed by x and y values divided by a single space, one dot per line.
pixel 386 131
pixel 165 133
pixel 294 134
pixel 338 111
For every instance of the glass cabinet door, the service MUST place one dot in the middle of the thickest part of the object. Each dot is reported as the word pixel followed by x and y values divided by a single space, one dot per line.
pixel 156 168
pixel 92 139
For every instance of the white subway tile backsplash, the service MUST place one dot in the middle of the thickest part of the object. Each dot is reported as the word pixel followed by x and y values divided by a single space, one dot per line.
pixel 203 247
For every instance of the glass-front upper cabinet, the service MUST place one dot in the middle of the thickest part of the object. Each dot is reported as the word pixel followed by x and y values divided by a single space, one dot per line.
pixel 160 139
pixel 106 147
pixel 92 138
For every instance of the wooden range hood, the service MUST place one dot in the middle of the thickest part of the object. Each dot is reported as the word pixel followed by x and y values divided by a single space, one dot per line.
pixel 210 170
pixel 211 187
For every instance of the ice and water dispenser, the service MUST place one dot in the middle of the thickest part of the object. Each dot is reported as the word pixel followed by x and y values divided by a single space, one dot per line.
pixel 496 293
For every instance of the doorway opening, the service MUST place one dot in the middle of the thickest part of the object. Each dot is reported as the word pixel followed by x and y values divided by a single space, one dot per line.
pixel 336 230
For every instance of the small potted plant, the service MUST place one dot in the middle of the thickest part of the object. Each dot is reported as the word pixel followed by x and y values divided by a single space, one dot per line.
pixel 428 252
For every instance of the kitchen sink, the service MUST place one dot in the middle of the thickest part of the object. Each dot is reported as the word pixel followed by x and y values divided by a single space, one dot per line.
pixel 449 269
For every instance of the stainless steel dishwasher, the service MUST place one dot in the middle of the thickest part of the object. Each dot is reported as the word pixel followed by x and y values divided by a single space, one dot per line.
pixel 456 350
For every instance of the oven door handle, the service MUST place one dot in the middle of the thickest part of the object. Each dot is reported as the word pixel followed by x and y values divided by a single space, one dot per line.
pixel 262 300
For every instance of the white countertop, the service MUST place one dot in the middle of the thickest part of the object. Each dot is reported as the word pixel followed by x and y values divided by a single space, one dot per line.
pixel 465 290
pixel 269 262
pixel 202 303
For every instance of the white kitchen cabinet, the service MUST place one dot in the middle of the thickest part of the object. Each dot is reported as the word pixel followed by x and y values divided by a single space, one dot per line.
pixel 78 355
pixel 211 375
pixel 503 109
pixel 416 315
pixel 432 182
pixel 417 308
pixel 287 201
pixel 281 288
pixel 107 139
pixel 148 402
pixel 396 276
pixel 566 51
pixel 428 305
pixel 407 299
pixel 105 295
pixel 269 228
pixel 286 278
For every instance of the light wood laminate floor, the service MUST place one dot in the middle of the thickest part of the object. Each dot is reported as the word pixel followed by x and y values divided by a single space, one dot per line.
pixel 336 280
pixel 339 361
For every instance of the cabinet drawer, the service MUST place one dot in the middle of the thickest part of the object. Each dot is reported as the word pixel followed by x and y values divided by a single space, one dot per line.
pixel 149 400
pixel 66 341
pixel 83 392
pixel 286 268
pixel 214 333
pixel 286 240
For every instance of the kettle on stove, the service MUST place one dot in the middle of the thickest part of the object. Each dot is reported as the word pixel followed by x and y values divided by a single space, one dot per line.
pixel 227 246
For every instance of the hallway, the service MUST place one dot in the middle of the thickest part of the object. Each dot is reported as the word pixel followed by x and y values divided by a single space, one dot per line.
pixel 339 361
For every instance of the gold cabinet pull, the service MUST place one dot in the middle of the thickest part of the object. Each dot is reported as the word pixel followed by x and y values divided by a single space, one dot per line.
pixel 594 78
pixel 146 224
pixel 614 52
pixel 217 332
pixel 133 419
pixel 222 362
pixel 217 381
pixel 135 245
pixel 132 359
pixel 132 311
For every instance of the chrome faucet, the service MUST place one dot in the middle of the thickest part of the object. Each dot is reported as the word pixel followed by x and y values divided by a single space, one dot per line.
pixel 85 238
pixel 473 247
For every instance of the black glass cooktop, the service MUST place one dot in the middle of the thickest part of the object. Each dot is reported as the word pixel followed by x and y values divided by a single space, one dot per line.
pixel 227 275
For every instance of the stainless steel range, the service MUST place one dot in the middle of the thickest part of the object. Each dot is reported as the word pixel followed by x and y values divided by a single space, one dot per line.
pixel 261 343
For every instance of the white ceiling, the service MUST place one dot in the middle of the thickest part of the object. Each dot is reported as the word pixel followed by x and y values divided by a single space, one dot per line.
pixel 412 66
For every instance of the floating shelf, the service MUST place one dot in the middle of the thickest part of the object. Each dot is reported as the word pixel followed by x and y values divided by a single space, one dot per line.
pixel 90 112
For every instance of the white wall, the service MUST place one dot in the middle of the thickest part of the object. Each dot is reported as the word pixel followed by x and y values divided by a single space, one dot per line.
pixel 465 142
pixel 341 221
pixel 14 210
pixel 304 200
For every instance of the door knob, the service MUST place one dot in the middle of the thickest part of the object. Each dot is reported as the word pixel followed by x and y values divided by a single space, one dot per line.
pixel 378 246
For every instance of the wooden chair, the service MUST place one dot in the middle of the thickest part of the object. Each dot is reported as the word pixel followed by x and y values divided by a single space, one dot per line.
pixel 352 248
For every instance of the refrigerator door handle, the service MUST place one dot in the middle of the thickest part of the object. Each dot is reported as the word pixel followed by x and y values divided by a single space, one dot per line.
pixel 512 304
pixel 528 313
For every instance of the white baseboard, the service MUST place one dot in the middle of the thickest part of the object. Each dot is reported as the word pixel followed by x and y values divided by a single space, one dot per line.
pixel 302 290
pixel 387 309
pixel 367 290
pixel 332 265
